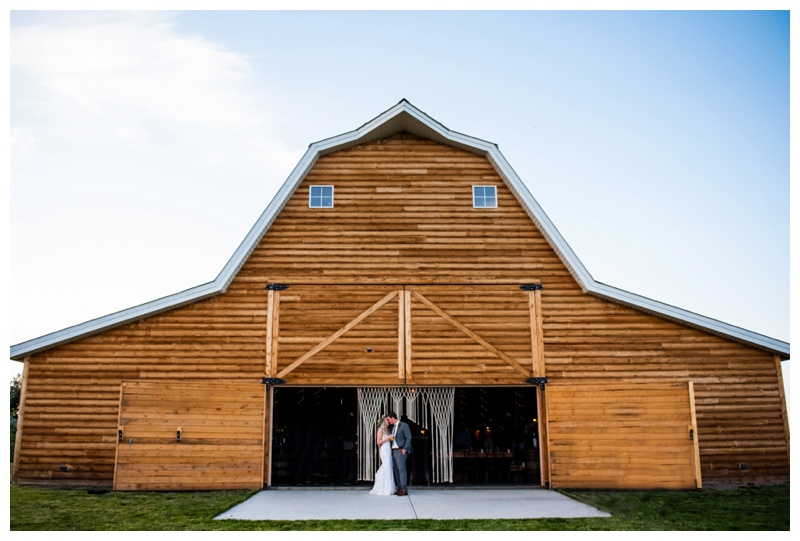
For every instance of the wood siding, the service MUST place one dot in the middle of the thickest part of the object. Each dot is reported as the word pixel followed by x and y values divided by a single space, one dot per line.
pixel 403 217
pixel 72 392
pixel 190 436
pixel 621 436
pixel 736 388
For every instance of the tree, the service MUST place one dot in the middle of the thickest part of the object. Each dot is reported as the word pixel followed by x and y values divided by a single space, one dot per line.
pixel 16 388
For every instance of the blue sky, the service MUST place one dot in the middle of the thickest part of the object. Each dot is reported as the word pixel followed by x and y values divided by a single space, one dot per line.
pixel 144 145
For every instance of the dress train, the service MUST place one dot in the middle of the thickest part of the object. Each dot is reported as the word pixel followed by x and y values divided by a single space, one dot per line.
pixel 384 477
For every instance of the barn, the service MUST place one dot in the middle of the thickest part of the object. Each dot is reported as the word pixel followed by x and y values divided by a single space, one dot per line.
pixel 402 266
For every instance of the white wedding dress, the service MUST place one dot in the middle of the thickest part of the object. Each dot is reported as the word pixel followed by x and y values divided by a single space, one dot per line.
pixel 384 477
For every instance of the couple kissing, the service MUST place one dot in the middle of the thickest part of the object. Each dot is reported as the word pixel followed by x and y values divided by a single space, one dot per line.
pixel 393 439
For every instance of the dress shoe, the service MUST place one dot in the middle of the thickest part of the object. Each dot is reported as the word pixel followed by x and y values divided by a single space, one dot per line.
pixel 402 492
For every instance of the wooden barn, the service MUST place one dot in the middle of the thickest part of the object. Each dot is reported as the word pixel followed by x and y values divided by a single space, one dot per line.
pixel 402 266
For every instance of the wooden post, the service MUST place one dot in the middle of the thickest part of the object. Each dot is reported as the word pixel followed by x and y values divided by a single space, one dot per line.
pixel 537 336
pixel 401 334
pixel 23 393
pixel 266 467
pixel 698 475
pixel 268 345
pixel 407 333
pixel 273 310
pixel 538 369
pixel 544 443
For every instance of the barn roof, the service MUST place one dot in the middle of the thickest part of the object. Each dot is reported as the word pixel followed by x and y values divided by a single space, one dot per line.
pixel 403 117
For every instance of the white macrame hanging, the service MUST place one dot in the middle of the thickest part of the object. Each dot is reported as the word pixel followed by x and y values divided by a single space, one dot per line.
pixel 405 401
pixel 372 402
pixel 397 394
pixel 430 407
pixel 441 401
pixel 413 403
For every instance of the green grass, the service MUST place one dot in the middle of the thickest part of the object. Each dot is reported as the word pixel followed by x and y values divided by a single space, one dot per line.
pixel 54 509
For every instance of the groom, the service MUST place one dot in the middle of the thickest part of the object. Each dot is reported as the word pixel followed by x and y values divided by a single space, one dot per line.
pixel 401 446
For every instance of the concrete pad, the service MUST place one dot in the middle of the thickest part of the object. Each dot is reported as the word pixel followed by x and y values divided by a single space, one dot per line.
pixel 421 503
pixel 320 504
pixel 499 503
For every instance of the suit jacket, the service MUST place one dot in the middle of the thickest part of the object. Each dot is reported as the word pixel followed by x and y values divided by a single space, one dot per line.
pixel 402 436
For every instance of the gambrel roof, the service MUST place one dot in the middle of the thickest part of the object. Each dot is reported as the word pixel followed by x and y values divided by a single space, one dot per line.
pixel 403 117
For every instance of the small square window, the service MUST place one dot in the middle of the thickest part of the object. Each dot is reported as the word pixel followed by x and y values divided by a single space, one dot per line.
pixel 320 197
pixel 484 197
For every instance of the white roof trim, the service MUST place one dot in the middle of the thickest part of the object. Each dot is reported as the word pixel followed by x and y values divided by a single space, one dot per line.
pixel 401 117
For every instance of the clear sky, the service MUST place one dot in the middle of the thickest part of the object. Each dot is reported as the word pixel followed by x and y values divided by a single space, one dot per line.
pixel 145 144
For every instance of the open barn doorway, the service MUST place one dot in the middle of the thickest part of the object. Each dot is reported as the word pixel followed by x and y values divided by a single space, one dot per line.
pixel 492 438
pixel 496 436
pixel 314 436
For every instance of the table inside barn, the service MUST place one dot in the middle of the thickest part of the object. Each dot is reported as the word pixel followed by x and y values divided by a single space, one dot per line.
pixel 485 466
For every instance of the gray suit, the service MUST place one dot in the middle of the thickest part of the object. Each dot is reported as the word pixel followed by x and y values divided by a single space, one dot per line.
pixel 402 437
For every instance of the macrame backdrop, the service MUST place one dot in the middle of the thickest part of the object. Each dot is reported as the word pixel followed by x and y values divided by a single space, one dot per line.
pixel 431 407
pixel 372 403
pixel 441 401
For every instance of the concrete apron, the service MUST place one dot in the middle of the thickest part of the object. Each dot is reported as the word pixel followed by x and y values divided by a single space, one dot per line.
pixel 421 503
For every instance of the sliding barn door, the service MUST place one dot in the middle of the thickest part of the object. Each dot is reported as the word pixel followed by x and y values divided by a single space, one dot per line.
pixel 190 436
pixel 622 436
pixel 474 335
pixel 337 335
pixel 389 335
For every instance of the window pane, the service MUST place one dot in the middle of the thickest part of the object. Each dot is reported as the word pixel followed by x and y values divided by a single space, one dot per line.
pixel 320 197
pixel 484 196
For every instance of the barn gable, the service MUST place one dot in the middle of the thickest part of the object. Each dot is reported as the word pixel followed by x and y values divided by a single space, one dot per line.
pixel 402 118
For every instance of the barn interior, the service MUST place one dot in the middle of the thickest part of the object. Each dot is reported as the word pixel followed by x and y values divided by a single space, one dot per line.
pixel 494 438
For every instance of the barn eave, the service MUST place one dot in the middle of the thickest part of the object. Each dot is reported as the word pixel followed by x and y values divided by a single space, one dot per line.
pixel 111 321
pixel 691 319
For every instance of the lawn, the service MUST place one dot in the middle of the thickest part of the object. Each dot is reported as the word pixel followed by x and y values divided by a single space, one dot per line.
pixel 57 509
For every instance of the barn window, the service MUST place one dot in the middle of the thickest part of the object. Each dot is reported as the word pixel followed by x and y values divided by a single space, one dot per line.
pixel 320 197
pixel 484 197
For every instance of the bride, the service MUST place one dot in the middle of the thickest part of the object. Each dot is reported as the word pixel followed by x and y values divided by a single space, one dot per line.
pixel 384 477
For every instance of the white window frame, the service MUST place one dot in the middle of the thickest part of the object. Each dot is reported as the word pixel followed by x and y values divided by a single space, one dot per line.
pixel 311 195
pixel 474 205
